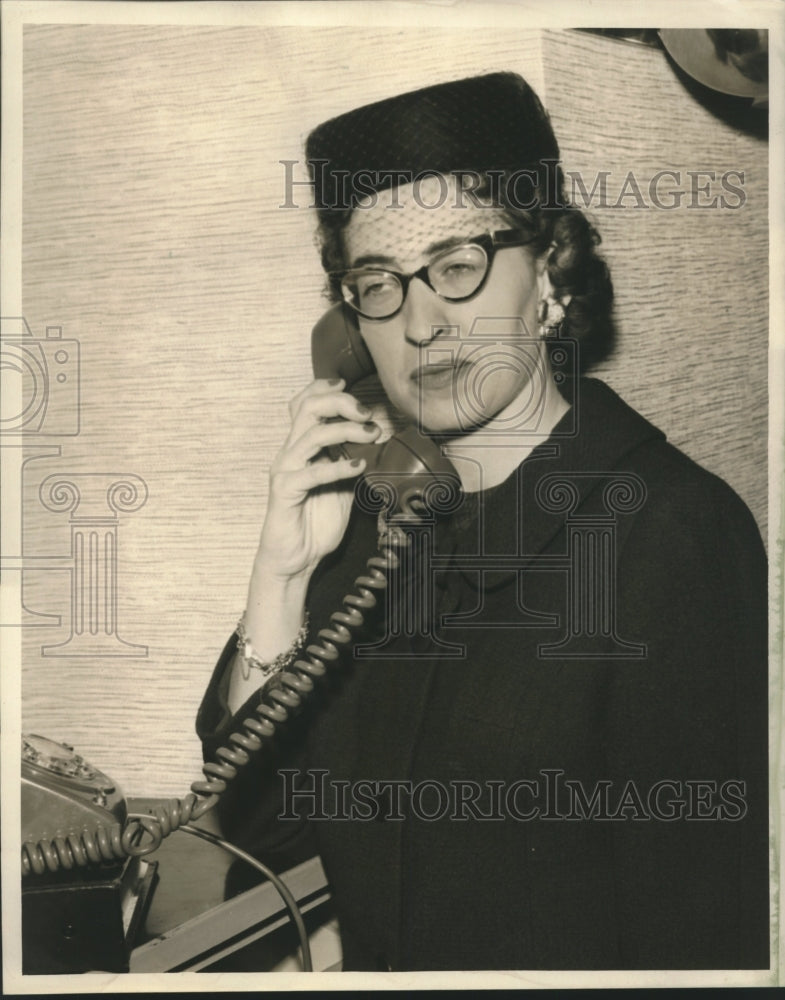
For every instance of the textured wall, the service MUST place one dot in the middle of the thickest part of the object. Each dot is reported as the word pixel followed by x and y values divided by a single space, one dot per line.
pixel 691 282
pixel 152 234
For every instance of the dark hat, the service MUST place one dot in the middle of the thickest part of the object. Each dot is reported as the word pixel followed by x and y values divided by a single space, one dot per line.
pixel 494 122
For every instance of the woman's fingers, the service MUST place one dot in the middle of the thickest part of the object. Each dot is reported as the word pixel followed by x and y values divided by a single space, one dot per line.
pixel 319 401
pixel 323 415
pixel 322 436
pixel 293 485
pixel 319 387
pixel 302 522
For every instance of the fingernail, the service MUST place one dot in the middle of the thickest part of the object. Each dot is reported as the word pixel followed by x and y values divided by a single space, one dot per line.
pixel 334 381
pixel 357 462
pixel 370 426
pixel 363 410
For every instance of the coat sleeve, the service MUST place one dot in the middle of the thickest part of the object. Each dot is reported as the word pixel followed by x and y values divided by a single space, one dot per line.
pixel 260 810
pixel 250 808
pixel 687 726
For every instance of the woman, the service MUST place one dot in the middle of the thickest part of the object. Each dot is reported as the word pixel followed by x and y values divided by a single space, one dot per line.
pixel 549 751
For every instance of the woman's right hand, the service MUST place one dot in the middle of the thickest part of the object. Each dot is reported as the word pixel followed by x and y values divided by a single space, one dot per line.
pixel 307 513
pixel 310 495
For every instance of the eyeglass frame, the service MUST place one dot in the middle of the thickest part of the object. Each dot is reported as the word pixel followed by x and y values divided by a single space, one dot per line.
pixel 488 242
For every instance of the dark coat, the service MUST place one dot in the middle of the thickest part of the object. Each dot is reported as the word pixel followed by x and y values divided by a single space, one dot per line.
pixel 659 706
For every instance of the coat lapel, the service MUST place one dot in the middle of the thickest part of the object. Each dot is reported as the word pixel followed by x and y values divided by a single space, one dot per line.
pixel 607 429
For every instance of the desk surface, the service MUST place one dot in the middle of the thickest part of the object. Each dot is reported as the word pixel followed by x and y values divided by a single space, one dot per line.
pixel 190 925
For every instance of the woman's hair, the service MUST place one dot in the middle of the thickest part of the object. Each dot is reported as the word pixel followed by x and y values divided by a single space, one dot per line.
pixel 575 267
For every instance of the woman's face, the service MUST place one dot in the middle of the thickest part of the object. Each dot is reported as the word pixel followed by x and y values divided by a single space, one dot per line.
pixel 452 366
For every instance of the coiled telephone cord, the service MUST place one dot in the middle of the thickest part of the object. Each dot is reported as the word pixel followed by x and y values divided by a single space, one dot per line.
pixel 143 834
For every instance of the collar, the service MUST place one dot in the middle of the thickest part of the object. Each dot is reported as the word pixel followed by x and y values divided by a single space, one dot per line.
pixel 512 518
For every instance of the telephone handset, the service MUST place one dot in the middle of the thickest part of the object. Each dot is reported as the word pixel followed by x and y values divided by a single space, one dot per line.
pixel 414 460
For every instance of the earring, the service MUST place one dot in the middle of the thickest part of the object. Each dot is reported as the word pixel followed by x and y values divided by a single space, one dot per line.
pixel 550 315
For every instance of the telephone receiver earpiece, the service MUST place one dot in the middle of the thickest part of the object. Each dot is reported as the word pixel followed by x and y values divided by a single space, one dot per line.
pixel 411 462
pixel 338 349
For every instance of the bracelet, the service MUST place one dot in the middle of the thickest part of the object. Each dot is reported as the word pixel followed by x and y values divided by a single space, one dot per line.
pixel 250 661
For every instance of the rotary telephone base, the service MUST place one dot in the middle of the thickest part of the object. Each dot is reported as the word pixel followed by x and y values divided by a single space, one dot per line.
pixel 83 918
